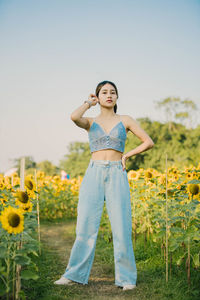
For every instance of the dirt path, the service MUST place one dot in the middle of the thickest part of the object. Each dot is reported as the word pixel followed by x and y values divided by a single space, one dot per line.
pixel 58 238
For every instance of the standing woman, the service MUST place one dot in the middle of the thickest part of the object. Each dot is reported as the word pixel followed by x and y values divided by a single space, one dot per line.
pixel 105 179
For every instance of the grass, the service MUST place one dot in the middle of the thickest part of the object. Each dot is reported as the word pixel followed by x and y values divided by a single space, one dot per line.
pixel 57 239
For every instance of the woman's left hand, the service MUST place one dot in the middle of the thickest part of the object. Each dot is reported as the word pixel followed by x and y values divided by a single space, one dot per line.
pixel 124 158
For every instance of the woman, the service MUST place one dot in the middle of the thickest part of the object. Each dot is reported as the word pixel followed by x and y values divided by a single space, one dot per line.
pixel 105 179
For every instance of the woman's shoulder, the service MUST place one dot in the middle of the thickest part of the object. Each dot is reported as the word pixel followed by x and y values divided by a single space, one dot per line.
pixel 125 119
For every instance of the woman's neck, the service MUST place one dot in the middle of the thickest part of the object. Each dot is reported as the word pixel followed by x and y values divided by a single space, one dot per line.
pixel 107 115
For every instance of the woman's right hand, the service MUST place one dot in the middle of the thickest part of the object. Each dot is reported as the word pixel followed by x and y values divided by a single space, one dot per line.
pixel 94 99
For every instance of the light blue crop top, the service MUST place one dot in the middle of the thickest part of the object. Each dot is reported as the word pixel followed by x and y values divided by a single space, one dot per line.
pixel 99 139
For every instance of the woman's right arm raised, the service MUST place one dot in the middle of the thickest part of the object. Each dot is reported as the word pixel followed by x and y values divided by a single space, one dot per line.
pixel 76 115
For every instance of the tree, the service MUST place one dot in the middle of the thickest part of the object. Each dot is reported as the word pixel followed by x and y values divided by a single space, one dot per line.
pixel 30 166
pixel 170 106
pixel 176 109
pixel 48 168
pixel 191 109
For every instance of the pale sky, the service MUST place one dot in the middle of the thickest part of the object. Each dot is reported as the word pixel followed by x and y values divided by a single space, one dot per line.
pixel 54 53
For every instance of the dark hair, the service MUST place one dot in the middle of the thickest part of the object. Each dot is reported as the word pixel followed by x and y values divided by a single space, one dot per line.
pixel 101 84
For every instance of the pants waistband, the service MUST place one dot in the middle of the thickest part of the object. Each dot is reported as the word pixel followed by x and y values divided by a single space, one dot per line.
pixel 105 162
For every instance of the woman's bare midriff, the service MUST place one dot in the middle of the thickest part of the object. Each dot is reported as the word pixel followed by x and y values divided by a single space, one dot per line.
pixel 107 154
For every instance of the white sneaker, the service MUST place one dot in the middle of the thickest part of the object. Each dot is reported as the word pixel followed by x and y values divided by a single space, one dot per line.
pixel 129 287
pixel 64 280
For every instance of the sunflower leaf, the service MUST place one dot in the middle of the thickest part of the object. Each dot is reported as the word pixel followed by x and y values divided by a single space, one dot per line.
pixel 28 274
pixel 194 181
pixel 22 260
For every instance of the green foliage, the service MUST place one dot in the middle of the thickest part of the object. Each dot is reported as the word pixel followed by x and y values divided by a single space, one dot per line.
pixel 48 168
pixel 186 111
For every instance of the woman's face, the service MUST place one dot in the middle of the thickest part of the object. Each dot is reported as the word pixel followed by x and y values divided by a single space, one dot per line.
pixel 107 92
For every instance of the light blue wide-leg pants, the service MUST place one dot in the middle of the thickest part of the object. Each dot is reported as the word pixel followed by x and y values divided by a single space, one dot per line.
pixel 103 180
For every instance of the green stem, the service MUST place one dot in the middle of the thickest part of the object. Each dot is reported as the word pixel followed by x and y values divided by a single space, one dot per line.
pixel 166 220
pixel 188 273
pixel 14 265
pixel 3 279
pixel 134 223
pixel 8 269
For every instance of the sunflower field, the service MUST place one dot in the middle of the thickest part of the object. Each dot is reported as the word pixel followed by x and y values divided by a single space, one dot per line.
pixel 165 212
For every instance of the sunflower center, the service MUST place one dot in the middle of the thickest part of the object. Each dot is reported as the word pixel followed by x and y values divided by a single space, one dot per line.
pixel 148 174
pixel 23 197
pixel 13 219
pixel 29 184
pixel 194 189
pixel 170 192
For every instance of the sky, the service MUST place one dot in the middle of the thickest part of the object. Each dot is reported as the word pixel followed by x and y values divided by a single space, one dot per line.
pixel 54 53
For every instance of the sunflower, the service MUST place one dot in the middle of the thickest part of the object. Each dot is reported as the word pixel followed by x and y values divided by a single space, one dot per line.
pixel 56 179
pixel 30 183
pixel 31 194
pixel 21 197
pixel 2 185
pixel 65 182
pixel 188 175
pixel 193 189
pixel 162 179
pixel 173 170
pixel 195 175
pixel 148 174
pixel 28 207
pixel 3 199
pixel 40 175
pixel 176 177
pixel 133 175
pixel 12 220
pixel 74 189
